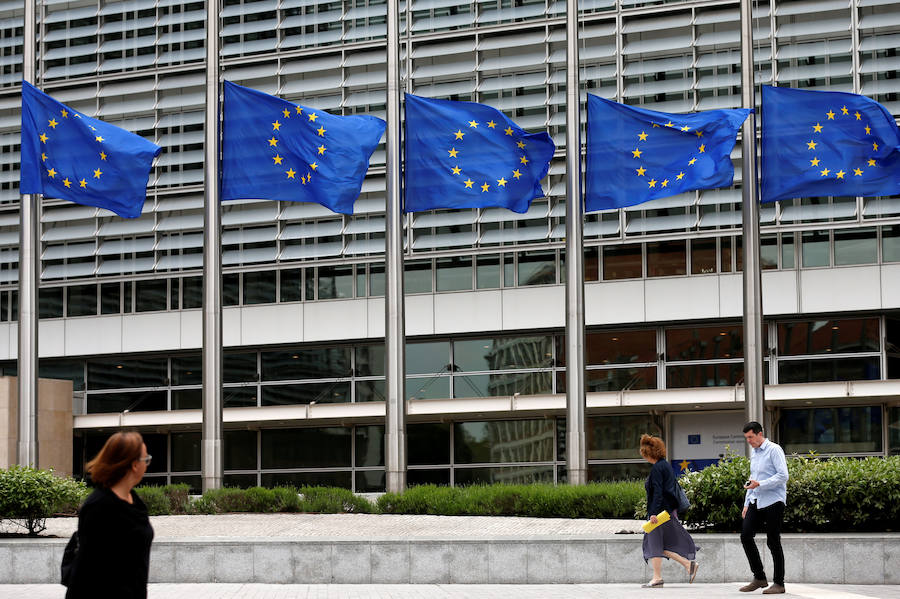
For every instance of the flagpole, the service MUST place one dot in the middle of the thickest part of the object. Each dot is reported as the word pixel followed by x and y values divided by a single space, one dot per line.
pixel 576 446
pixel 211 462
pixel 29 280
pixel 753 318
pixel 395 326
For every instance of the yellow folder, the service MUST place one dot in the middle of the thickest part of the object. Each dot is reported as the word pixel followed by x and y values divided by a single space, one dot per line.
pixel 661 518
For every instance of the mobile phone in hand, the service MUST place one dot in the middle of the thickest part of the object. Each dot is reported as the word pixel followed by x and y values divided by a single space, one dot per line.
pixel 747 483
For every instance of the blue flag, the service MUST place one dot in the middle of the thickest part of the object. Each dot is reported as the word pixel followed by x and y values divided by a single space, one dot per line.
pixel 69 155
pixel 468 155
pixel 636 155
pixel 818 143
pixel 276 150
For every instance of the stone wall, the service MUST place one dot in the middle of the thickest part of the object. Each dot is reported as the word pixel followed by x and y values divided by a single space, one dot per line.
pixel 54 424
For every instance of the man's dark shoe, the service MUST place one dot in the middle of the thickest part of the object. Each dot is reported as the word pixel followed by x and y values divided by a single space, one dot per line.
pixel 775 589
pixel 756 584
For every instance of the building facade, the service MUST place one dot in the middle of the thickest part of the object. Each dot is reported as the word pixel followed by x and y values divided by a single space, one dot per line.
pixel 303 287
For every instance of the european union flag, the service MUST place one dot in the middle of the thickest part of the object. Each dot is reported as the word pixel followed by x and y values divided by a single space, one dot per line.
pixel 276 150
pixel 635 155
pixel 468 155
pixel 69 155
pixel 817 143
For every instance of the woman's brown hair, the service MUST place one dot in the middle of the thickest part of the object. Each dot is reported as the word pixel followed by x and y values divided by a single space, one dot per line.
pixel 118 454
pixel 653 447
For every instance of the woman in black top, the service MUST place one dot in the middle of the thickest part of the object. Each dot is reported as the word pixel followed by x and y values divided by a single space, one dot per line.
pixel 669 539
pixel 114 532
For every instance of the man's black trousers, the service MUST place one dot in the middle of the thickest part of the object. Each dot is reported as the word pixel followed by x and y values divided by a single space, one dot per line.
pixel 769 517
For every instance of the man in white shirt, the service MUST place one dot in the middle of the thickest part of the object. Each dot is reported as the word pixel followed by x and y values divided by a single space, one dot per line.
pixel 764 504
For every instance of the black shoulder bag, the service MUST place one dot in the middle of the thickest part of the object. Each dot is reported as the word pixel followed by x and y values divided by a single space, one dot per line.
pixel 70 555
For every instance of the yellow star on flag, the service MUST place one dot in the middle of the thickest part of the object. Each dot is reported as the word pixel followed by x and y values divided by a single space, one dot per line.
pixel 44 138
pixel 685 128
pixel 459 134
pixel 698 133
pixel 102 155
pixel 313 116
pixel 83 183
pixel 874 147
pixel 844 110
pixel 670 124
pixel 473 124
pixel 43 157
pixel 652 183
pixel 702 148
pixel 277 158
pixel 680 176
pixel 871 162
pixel 858 172
pixel 66 182
pixel 299 110
pixel 52 123
pixel 453 152
pixel 276 126
pixel 521 145
pixel 65 114
pixel 523 160
pixel 814 162
pixel 840 174
pixel 811 145
pixel 468 183
pixel 456 170
pixel 692 161
pixel 501 182
pixel 485 187
pixel 491 124
pixel 321 131
pixel 516 174
pixel 868 130
pixel 290 173
pixel 857 115
pixel 817 128
pixel 273 141
pixel 97 173
pixel 508 131
pixel 825 172
pixel 313 165
pixel 52 172
pixel 640 171
pixel 321 150
pixel 99 138
pixel 286 113
pixel 665 183
pixel 830 115
pixel 635 153
pixel 642 136
pixel 684 465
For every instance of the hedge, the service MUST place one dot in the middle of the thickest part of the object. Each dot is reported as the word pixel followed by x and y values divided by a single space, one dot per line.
pixel 595 500
pixel 28 496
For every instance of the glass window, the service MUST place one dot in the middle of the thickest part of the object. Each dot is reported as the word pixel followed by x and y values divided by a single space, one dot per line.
pixel 376 280
pixel 370 445
pixel 600 473
pixel 815 249
pixel 231 289
pixel 81 300
pixel 591 264
pixel 370 391
pixel 537 268
pixel 127 297
pixel 705 343
pixel 69 370
pixel 828 336
pixel 894 430
pixel 279 395
pixel 150 295
pixel 291 285
pixel 855 246
pixel 615 379
pixel 703 256
pixel 370 360
pixel 504 441
pixel 614 347
pixel 370 481
pixel 259 287
pixel 704 375
pixel 768 252
pixel 788 251
pixel 140 401
pixel 502 353
pixel 174 302
pixel 488 272
pixel 427 358
pixel 156 446
pixel 493 385
pixel 185 452
pixel 187 399
pixel 434 387
pixel 417 277
pixel 617 437
pixel 725 245
pixel 666 258
pixel 239 368
pixel 335 282
pixel 114 373
pixel 511 475
pixel 509 270
pixel 192 292
pixel 831 430
pixel 325 447
pixel 843 369
pixel 309 284
pixel 428 444
pixel 4 306
pixel 622 262
pixel 50 302
pixel 239 481
pixel 313 363
pixel 890 243
pixel 428 477
pixel 454 273
pixel 240 397
pixel 239 448
pixel 307 479
pixel 186 370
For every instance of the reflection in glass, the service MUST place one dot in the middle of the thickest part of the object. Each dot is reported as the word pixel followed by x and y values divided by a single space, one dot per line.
pixel 81 300
pixel 433 387
pixel 591 264
pixel 335 282
pixel 454 273
pixel 788 251
pixel 370 391
pixel 704 375
pixel 376 280
pixel 427 358
pixel 69 370
pixel 502 384
pixel 370 445
pixel 703 256
pixel 291 283
pixel 815 248
pixel 725 244
pixel 843 369
pixel 504 441
pixel 537 268
pixel 768 252
pixel 429 443
pixel 599 473
pixel 890 243
pixel 119 374
pixel 110 298
pixel 666 258
pixel 239 481
pixel 239 368
pixel 192 292
pixel 140 401
pixel 414 477
pixel 479 355
pixel 312 363
pixel 307 479
pixel 511 475
pixel 231 289
pixel 617 379
pixel 704 343
pixel 186 370
pixel 150 295
pixel 487 272
pixel 894 430
pixel 240 397
pixel 193 482
pixel 306 447
pixel 239 449
pixel 622 262
pixel 187 399
pixel 417 277
pixel 370 360
pixel 831 430
pixel 617 437
pixel 259 287
pixel 370 481
pixel 185 452
pixel 308 393
pixel 855 246
pixel 828 336
pixel 615 347
pixel 50 302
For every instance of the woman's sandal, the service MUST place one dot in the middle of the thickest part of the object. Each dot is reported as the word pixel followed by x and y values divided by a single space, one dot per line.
pixel 693 571
pixel 651 584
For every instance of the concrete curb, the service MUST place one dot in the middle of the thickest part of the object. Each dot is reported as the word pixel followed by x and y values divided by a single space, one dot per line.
pixel 838 559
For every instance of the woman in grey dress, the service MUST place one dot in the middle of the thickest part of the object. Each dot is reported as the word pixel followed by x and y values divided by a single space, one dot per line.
pixel 669 539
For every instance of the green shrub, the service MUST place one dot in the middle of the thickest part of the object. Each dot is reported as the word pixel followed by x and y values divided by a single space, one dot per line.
pixel 155 499
pixel 329 500
pixel 332 500
pixel 595 500
pixel 28 496
pixel 833 495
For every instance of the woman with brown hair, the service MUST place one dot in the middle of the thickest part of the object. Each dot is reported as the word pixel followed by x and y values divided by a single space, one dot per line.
pixel 114 532
pixel 669 539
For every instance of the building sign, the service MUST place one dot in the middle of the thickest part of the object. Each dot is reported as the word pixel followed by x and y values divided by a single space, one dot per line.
pixel 698 440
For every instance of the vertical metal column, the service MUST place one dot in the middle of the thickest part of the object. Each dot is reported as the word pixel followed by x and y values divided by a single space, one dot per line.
pixel 395 318
pixel 753 333
pixel 576 446
pixel 211 462
pixel 29 278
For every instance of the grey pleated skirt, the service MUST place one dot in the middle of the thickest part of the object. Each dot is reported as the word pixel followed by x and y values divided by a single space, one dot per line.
pixel 670 536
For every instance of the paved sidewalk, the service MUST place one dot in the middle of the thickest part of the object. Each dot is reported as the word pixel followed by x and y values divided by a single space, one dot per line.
pixel 447 591
pixel 368 526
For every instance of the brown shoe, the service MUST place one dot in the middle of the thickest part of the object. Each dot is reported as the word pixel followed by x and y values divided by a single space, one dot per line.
pixel 756 583
pixel 775 589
